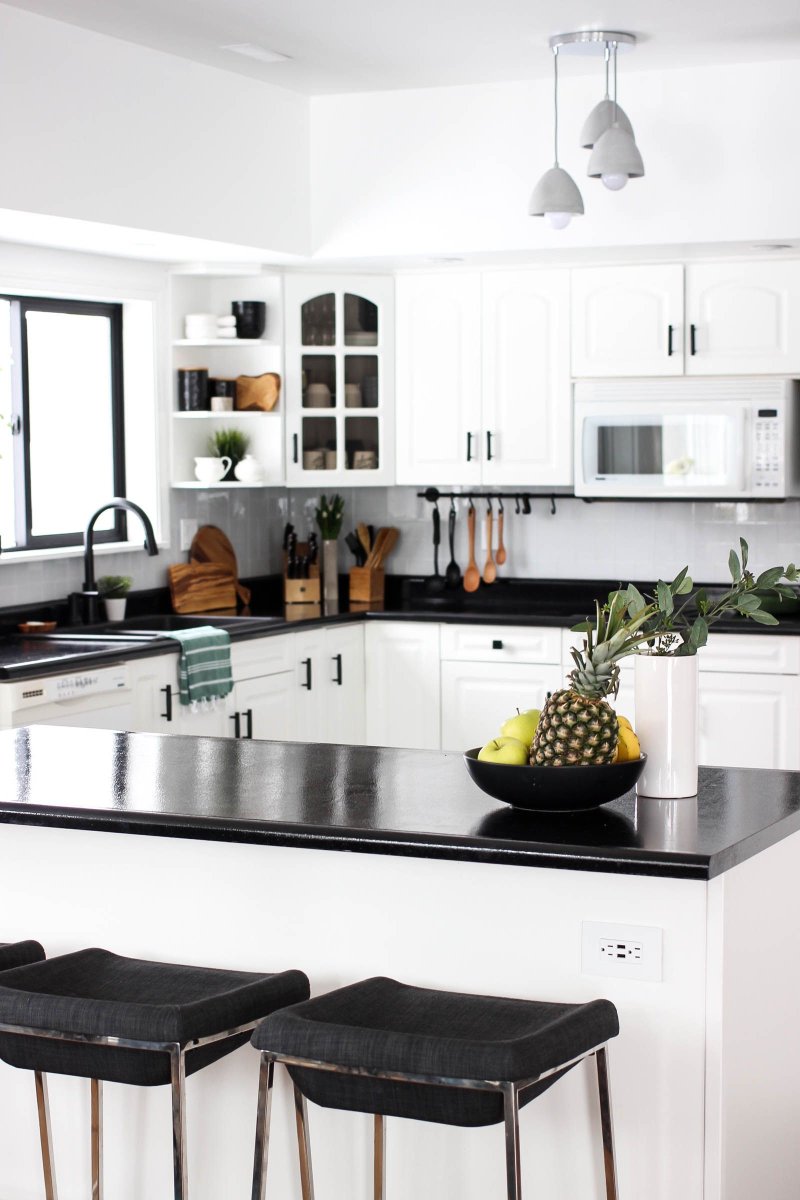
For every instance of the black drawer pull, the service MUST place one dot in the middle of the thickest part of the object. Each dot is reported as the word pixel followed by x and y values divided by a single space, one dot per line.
pixel 249 717
pixel 237 724
pixel 670 332
pixel 295 456
pixel 306 662
pixel 469 447
pixel 693 339
pixel 497 644
pixel 167 714
pixel 337 658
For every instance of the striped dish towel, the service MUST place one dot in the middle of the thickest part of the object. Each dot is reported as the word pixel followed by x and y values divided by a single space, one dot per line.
pixel 204 667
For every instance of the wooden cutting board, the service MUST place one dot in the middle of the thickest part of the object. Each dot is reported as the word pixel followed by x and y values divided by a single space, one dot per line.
pixel 211 545
pixel 201 588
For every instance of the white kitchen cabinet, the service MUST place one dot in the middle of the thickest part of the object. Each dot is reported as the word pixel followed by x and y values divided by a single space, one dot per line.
pixel 155 693
pixel 402 684
pixel 749 720
pixel 439 378
pixel 209 720
pixel 339 387
pixel 345 684
pixel 477 697
pixel 743 318
pixel 483 392
pixel 627 320
pixel 265 707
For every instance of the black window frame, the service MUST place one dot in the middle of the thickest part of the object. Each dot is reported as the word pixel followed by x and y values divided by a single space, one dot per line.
pixel 20 420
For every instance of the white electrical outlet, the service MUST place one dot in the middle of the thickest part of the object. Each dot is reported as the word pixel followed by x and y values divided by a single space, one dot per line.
pixel 624 951
pixel 188 529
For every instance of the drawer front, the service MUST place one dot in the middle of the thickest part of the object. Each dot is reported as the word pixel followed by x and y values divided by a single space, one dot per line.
pixel 759 654
pixel 262 656
pixel 500 643
pixel 478 697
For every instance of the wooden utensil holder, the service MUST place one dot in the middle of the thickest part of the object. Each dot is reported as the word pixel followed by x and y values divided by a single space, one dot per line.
pixel 302 598
pixel 367 586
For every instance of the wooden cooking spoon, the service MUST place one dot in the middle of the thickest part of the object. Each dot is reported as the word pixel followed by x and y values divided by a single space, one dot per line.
pixel 500 557
pixel 472 576
pixel 489 570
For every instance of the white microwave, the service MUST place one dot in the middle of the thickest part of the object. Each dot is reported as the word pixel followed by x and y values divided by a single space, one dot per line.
pixel 733 439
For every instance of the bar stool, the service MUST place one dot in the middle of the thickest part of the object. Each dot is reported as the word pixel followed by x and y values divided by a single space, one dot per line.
pixel 385 1048
pixel 104 1017
pixel 19 954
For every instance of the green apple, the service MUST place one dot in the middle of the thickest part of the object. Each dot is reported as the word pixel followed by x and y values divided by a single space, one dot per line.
pixel 508 750
pixel 522 726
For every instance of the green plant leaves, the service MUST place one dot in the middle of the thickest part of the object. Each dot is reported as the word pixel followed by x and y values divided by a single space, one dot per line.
pixel 768 579
pixel 763 618
pixel 734 566
pixel 666 604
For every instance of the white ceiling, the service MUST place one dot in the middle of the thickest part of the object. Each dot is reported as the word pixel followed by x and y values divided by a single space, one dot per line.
pixel 375 45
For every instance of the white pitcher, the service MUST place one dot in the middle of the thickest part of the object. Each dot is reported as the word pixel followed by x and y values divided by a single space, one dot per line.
pixel 211 470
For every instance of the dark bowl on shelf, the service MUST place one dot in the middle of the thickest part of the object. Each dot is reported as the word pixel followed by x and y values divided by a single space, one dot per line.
pixel 251 318
pixel 554 789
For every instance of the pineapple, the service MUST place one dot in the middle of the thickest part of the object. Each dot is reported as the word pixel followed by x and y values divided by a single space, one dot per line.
pixel 578 727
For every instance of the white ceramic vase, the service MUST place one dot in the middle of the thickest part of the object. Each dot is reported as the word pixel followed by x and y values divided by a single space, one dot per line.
pixel 115 608
pixel 330 577
pixel 667 724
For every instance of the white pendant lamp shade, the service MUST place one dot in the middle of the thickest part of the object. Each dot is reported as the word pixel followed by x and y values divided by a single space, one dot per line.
pixel 615 158
pixel 556 198
pixel 602 117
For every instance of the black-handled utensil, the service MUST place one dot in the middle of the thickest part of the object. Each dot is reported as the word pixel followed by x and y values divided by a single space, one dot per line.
pixel 435 582
pixel 452 575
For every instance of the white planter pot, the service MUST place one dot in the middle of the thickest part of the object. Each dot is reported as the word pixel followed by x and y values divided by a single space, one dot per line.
pixel 115 609
pixel 667 724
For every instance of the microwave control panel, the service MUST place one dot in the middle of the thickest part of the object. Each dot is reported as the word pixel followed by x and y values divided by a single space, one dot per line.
pixel 768 451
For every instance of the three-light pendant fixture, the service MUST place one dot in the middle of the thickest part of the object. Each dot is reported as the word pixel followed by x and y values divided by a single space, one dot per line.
pixel 607 132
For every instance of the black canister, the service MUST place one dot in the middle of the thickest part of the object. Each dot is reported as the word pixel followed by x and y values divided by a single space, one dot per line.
pixel 251 318
pixel 193 389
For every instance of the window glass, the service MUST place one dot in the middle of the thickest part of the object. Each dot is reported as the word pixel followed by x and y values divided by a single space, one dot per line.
pixel 6 440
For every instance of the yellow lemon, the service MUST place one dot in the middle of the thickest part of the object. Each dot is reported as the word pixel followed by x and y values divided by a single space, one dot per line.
pixel 628 748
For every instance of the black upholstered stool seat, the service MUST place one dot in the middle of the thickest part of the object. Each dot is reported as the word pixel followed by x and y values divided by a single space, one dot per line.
pixel 386 1048
pixel 18 954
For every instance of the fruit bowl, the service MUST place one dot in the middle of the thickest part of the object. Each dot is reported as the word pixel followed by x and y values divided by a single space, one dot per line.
pixel 554 789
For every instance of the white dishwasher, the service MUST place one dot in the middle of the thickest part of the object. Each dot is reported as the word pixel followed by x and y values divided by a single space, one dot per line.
pixel 98 698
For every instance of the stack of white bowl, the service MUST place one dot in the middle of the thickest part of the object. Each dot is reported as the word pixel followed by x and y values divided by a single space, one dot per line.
pixel 200 327
pixel 226 327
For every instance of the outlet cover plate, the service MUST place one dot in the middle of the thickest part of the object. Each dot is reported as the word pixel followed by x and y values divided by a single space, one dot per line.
pixel 622 951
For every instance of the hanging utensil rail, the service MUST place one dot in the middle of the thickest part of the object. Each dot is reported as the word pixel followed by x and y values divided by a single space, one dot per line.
pixel 432 494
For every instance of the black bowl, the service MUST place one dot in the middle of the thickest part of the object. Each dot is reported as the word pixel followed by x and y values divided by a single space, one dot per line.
pixel 251 318
pixel 554 789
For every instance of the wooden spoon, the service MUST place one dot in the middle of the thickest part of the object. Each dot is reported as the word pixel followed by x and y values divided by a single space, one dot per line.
pixel 364 538
pixel 489 570
pixel 500 557
pixel 472 576
pixel 385 542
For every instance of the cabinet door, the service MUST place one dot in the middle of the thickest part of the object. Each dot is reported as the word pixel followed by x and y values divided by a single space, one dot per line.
pixel 746 318
pixel 749 720
pixel 343 661
pixel 627 320
pixel 438 379
pixel 213 721
pixel 155 693
pixel 402 675
pixel 527 408
pixel 311 690
pixel 478 697
pixel 266 707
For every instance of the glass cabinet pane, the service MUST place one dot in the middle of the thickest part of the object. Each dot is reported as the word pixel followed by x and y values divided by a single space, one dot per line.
pixel 319 380
pixel 318 321
pixel 319 444
pixel 361 443
pixel 361 381
pixel 360 321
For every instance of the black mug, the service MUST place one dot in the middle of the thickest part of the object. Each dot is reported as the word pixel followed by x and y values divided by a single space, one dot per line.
pixel 193 389
pixel 251 318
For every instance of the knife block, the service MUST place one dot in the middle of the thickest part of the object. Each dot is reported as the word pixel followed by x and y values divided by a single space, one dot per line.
pixel 367 586
pixel 302 598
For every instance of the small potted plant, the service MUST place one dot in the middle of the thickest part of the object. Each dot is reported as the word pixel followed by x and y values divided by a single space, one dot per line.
pixel 114 591
pixel 229 443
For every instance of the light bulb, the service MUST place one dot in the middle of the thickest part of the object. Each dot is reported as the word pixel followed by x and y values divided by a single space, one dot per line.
pixel 614 183
pixel 558 220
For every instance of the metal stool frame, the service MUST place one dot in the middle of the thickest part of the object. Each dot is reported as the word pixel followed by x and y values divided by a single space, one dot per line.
pixel 177 1057
pixel 511 1091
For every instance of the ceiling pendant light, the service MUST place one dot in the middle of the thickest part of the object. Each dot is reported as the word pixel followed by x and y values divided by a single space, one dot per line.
pixel 604 115
pixel 615 158
pixel 556 196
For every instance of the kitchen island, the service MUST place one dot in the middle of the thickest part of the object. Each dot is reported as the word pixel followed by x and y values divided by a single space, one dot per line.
pixel 352 861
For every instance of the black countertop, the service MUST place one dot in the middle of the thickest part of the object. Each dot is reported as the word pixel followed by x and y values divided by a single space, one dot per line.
pixel 415 803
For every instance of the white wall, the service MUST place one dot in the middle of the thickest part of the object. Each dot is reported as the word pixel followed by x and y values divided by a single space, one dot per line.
pixel 450 170
pixel 103 130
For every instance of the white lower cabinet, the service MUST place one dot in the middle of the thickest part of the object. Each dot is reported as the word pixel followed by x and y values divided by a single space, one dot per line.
pixel 264 708
pixel 402 684
pixel 329 685
pixel 155 693
pixel 749 720
pixel 477 697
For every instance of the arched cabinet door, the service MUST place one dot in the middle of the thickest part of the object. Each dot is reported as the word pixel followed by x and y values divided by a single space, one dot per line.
pixel 339 381
pixel 627 320
pixel 743 318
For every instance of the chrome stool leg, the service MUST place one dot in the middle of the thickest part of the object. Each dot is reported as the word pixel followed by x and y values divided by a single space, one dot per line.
pixel 379 1160
pixel 306 1173
pixel 265 1080
pixel 97 1139
pixel 178 1076
pixel 45 1136
pixel 606 1122
pixel 511 1113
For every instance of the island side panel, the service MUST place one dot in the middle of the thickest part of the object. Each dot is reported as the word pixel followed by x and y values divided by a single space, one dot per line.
pixel 753 1094
pixel 341 917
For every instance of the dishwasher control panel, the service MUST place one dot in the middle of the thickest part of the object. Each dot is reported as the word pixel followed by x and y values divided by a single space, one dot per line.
pixel 77 686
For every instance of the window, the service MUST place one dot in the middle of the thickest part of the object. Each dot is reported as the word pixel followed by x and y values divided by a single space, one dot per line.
pixel 62 437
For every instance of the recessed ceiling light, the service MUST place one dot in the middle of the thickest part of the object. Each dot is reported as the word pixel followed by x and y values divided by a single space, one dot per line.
pixel 251 50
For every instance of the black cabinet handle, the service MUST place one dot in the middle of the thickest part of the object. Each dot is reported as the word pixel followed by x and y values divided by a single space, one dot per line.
pixel 497 644
pixel 294 448
pixel 237 724
pixel 337 658
pixel 167 713
pixel 489 455
pixel 249 718
pixel 670 332
pixel 693 339
pixel 306 662
pixel 469 447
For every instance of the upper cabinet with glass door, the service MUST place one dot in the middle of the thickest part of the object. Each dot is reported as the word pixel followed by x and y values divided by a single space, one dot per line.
pixel 339 381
